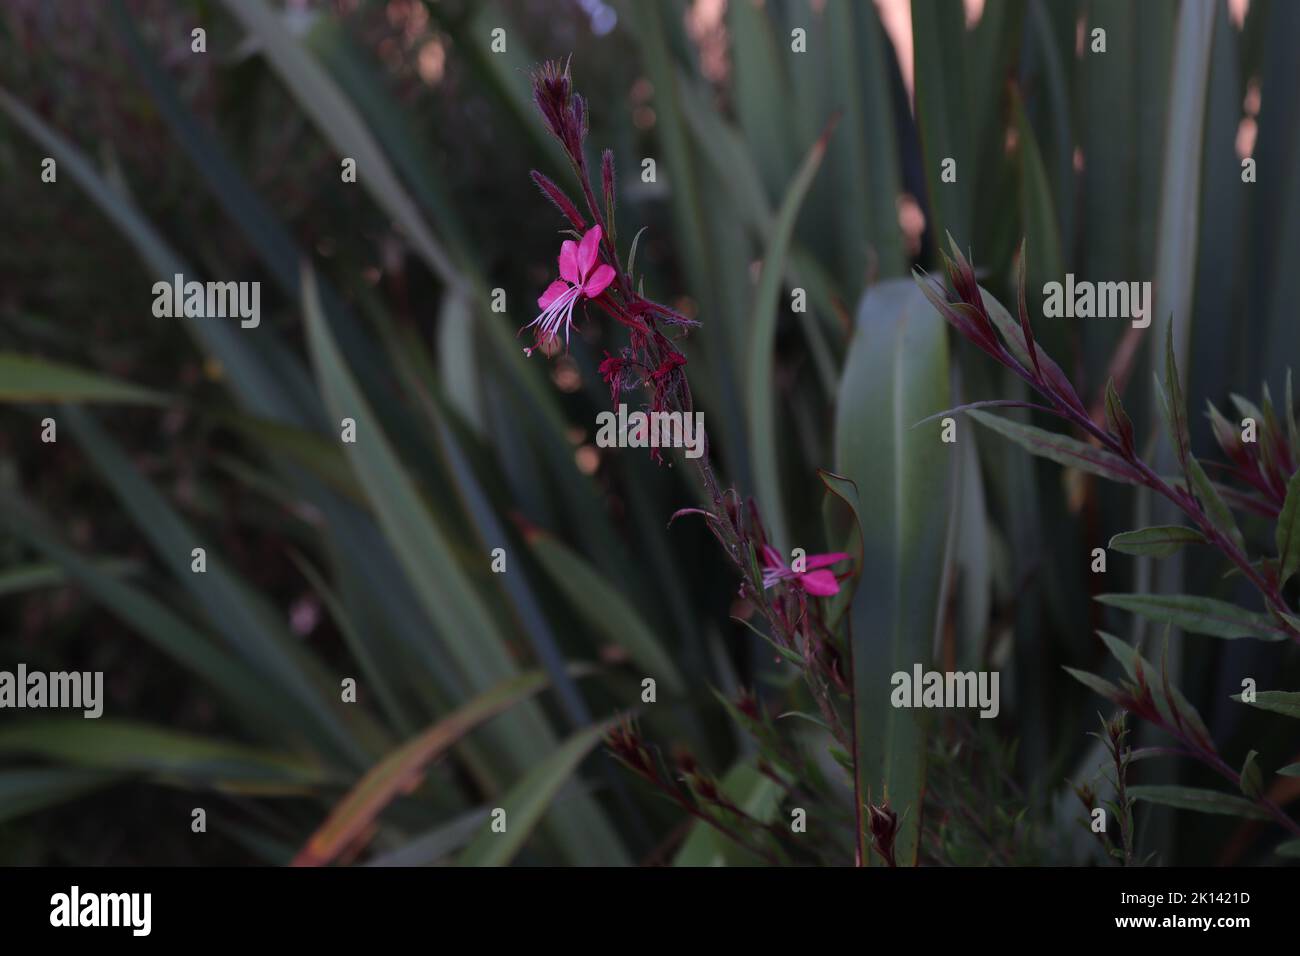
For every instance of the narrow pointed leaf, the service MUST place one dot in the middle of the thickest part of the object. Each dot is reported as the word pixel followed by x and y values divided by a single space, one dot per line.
pixel 1202 801
pixel 1159 542
pixel 1198 615
pixel 1060 448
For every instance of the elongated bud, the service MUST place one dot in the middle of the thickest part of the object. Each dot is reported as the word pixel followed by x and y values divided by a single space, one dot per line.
pixel 607 185
pixel 884 827
pixel 562 202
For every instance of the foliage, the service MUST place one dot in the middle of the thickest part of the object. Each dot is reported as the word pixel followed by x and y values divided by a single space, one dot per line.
pixel 373 561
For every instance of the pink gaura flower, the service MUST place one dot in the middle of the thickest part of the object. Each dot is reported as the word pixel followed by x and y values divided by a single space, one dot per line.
pixel 820 583
pixel 580 277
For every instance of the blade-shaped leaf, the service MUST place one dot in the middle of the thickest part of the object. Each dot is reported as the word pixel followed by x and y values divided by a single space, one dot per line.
pixel 605 610
pixel 26 378
pixel 529 799
pixel 450 599
pixel 1160 541
pixel 1287 534
pixel 1198 615
pixel 1061 449
pixel 896 373
pixel 167 755
pixel 401 770
pixel 760 394
pixel 1277 701
pixel 1202 801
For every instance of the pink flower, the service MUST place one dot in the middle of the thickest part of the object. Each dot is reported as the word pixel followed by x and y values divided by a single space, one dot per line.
pixel 580 277
pixel 817 583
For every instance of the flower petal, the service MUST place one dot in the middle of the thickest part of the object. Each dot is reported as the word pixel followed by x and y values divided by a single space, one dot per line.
pixel 819 583
pixel 600 279
pixel 772 557
pixel 587 252
pixel 553 292
pixel 569 262
pixel 822 560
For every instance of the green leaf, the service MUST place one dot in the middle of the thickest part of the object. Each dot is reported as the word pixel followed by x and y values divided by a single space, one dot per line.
pixel 1059 448
pixel 1160 541
pixel 25 378
pixel 528 800
pixel 1291 848
pixel 605 610
pixel 1116 417
pixel 1194 798
pixel 31 577
pixel 167 755
pixel 1174 406
pixel 334 114
pixel 1277 701
pixel 755 793
pixel 1252 778
pixel 1173 706
pixel 24 791
pixel 1290 770
pixel 1097 684
pixel 760 393
pixel 1198 615
pixel 246 687
pixel 402 768
pixel 1213 502
pixel 896 373
pixel 465 626
pixel 1287 534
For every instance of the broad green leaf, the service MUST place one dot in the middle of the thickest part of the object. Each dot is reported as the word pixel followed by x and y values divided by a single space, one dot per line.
pixel 450 599
pixel 1059 448
pixel 247 620
pixel 760 393
pixel 1277 701
pixel 1202 801
pixel 942 114
pixel 31 577
pixel 896 373
pixel 27 378
pixel 163 754
pixel 259 384
pixel 402 769
pixel 605 610
pixel 1159 542
pixel 528 800
pixel 258 701
pixel 24 791
pixel 1287 534
pixel 331 110
pixel 1198 615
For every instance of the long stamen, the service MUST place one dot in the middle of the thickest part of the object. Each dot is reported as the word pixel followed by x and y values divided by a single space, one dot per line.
pixel 552 315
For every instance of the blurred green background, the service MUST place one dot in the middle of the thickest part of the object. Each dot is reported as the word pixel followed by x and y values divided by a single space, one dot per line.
pixel 327 561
